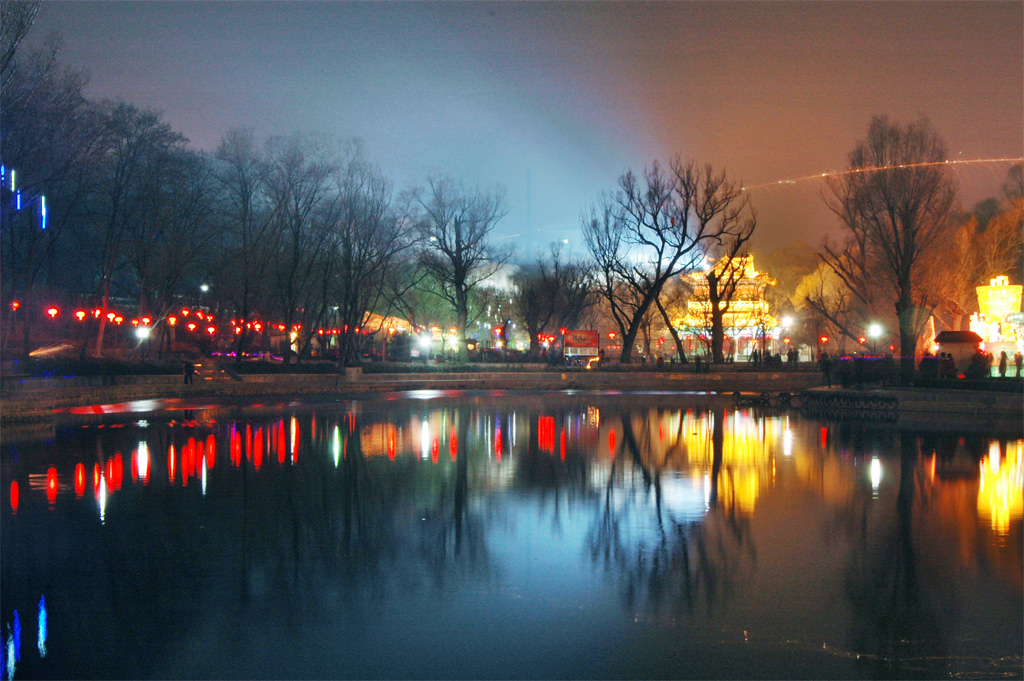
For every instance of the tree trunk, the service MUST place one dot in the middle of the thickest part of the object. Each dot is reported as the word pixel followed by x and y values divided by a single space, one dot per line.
pixel 26 325
pixel 103 317
pixel 908 339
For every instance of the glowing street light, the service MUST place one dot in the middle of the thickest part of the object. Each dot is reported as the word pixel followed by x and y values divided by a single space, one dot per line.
pixel 874 332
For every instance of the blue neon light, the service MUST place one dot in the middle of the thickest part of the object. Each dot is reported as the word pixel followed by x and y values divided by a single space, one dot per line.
pixel 42 626
pixel 17 637
pixel 17 200
pixel 42 209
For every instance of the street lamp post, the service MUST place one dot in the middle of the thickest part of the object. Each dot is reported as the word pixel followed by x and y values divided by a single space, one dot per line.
pixel 874 332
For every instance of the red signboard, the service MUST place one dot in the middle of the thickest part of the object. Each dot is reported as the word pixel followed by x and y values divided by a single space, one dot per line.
pixel 581 342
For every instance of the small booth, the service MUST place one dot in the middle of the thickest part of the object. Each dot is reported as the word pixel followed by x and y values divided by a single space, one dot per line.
pixel 962 345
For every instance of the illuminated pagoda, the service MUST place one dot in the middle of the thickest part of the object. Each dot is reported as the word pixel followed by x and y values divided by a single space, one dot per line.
pixel 747 317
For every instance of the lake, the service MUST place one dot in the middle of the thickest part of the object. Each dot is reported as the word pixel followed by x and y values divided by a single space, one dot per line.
pixel 508 535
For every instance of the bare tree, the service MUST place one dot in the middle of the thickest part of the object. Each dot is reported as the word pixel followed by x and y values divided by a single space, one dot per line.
pixel 831 300
pixel 455 225
pixel 240 171
pixel 670 303
pixel 17 18
pixel 722 278
pixel 179 235
pixel 135 147
pixel 50 135
pixel 367 240
pixel 655 228
pixel 550 293
pixel 297 181
pixel 895 204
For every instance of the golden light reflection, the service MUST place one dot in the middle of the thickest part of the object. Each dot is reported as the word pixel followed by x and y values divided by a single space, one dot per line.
pixel 1001 486
pixel 684 441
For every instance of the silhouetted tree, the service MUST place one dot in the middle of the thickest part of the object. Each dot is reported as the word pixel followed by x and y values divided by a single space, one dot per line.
pixel 895 206
pixel 455 225
pixel 654 228
pixel 552 292
pixel 136 148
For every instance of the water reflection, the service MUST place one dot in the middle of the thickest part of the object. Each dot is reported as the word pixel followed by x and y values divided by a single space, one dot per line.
pixel 491 534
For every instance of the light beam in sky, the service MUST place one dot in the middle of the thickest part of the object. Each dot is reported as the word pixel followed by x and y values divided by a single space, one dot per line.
pixel 853 171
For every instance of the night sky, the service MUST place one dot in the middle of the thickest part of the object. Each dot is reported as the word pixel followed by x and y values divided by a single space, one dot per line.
pixel 554 101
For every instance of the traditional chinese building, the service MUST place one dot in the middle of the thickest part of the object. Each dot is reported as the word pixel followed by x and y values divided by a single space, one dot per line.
pixel 747 318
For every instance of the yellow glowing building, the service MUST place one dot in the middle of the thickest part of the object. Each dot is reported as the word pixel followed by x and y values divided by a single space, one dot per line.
pixel 748 312
pixel 996 302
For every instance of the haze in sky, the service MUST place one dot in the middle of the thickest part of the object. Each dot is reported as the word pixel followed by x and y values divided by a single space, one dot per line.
pixel 554 101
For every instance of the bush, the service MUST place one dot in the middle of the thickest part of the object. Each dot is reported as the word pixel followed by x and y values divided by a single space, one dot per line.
pixel 979 367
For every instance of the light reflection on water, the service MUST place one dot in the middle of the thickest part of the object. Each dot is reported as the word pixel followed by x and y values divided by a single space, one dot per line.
pixel 492 535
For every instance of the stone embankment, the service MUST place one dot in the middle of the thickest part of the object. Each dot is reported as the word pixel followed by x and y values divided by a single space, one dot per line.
pixel 920 408
pixel 32 399
pixel 37 400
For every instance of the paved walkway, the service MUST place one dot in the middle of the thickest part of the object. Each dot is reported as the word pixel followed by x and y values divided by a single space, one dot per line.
pixel 39 399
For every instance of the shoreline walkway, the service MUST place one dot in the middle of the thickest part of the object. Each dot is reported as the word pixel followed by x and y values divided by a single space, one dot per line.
pixel 47 399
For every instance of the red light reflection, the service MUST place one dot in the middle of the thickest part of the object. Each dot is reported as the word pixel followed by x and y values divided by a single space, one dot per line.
pixel 257 457
pixel 282 444
pixel 15 496
pixel 79 480
pixel 546 434
pixel 51 485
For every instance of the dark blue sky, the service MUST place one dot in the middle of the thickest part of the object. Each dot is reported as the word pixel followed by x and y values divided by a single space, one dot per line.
pixel 570 95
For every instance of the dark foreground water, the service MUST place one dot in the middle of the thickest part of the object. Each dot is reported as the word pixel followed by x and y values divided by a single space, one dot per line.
pixel 508 535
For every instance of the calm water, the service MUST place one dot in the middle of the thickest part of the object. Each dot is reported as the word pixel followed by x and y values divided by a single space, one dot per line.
pixel 508 535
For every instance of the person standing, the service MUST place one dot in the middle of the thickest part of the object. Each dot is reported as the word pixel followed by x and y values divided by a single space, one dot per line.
pixel 826 368
pixel 1018 361
pixel 1002 364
